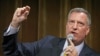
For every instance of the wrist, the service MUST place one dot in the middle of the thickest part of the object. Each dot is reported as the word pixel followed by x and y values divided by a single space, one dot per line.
pixel 15 24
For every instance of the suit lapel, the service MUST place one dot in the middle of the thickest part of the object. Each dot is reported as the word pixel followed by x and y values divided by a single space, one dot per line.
pixel 85 51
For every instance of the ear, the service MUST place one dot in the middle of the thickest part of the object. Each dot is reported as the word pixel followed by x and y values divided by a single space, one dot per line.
pixel 88 30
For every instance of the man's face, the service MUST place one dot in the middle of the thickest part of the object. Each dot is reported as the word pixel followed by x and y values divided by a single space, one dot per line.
pixel 77 25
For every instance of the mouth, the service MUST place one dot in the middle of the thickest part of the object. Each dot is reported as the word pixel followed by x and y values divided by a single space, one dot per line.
pixel 73 32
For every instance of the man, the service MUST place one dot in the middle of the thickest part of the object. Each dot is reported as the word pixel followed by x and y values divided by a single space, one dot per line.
pixel 78 25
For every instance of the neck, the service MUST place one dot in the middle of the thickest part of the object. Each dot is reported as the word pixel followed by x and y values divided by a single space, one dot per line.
pixel 76 43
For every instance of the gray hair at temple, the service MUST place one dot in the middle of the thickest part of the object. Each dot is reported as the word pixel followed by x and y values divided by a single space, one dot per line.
pixel 84 11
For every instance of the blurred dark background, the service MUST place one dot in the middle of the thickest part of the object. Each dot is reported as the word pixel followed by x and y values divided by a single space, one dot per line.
pixel 48 17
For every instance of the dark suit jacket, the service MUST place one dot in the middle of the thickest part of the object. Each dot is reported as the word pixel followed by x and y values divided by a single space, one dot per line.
pixel 48 46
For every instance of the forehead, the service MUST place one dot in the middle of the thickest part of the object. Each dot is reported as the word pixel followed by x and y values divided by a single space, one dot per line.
pixel 78 16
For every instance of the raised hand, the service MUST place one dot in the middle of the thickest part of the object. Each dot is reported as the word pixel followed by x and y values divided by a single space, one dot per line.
pixel 19 16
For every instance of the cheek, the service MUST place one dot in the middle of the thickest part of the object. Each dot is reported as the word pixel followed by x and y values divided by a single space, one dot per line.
pixel 81 36
pixel 67 29
pixel 82 33
pixel 84 30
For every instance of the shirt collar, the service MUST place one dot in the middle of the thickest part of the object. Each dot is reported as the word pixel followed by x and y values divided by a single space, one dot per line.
pixel 79 47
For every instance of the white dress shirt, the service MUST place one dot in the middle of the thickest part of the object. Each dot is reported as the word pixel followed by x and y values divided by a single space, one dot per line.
pixel 11 30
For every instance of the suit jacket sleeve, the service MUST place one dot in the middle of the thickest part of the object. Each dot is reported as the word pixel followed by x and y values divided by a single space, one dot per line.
pixel 12 48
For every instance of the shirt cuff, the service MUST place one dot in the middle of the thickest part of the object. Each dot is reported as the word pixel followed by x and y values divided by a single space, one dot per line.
pixel 11 30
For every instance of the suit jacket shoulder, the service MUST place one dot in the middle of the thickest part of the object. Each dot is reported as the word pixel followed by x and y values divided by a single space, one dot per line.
pixel 52 46
pixel 87 51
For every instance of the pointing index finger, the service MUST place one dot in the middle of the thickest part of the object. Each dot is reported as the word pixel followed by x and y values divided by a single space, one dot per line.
pixel 70 42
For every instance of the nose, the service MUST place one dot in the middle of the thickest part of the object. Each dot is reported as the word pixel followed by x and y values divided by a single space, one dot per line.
pixel 75 26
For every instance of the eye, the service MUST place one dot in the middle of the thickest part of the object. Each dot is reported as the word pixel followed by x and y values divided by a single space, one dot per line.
pixel 80 23
pixel 71 21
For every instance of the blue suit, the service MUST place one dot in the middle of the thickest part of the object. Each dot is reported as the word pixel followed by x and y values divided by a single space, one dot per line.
pixel 48 46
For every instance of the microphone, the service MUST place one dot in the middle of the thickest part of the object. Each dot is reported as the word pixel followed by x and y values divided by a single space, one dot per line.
pixel 70 36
